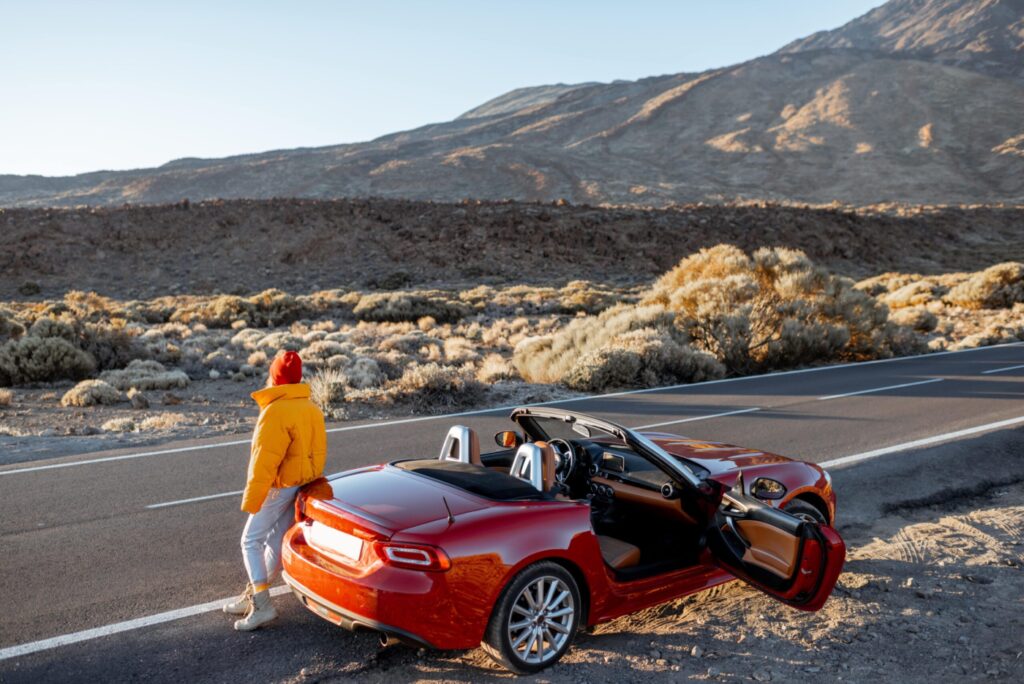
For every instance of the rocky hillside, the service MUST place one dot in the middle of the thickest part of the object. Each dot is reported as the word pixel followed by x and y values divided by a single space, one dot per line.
pixel 983 35
pixel 246 246
pixel 917 101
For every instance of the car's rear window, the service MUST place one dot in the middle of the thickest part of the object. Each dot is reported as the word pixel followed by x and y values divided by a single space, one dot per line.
pixel 473 478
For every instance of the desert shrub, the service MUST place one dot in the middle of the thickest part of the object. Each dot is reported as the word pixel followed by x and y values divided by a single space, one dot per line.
pixel 52 328
pixel 248 338
pixel 999 286
pixel 91 393
pixel 39 359
pixel 408 306
pixel 432 386
pixel 495 368
pixel 772 309
pixel 642 358
pixel 114 346
pixel 327 388
pixel 119 425
pixel 582 295
pixel 549 358
pixel 364 372
pixel 917 318
pixel 278 341
pixel 162 421
pixel 460 350
pixel 408 343
pixel 323 349
pixel 257 359
pixel 886 282
pixel 222 362
pixel 266 309
pixel 145 375
pixel 10 327
pixel 6 397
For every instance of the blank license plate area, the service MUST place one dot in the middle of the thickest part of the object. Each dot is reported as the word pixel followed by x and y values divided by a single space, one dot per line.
pixel 334 542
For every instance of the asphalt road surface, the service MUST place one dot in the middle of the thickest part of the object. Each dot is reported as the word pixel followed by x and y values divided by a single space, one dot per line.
pixel 90 543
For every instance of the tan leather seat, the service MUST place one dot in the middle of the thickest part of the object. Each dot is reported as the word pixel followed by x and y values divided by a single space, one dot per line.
pixel 474 448
pixel 617 553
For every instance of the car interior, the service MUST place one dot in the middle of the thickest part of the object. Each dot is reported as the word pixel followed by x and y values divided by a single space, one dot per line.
pixel 636 512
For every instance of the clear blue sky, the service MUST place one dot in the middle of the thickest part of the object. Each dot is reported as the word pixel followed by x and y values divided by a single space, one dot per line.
pixel 94 84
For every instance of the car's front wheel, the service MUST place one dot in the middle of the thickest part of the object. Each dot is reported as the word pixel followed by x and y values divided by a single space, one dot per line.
pixel 534 622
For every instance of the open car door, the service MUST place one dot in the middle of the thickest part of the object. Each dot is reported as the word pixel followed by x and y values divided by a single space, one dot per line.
pixel 795 561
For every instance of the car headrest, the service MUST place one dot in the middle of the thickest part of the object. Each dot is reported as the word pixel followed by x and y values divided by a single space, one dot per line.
pixel 461 444
pixel 535 463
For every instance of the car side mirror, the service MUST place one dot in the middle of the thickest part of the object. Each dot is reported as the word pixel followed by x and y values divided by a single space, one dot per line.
pixel 508 439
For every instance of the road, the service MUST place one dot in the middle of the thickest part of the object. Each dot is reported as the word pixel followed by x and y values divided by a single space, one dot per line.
pixel 90 542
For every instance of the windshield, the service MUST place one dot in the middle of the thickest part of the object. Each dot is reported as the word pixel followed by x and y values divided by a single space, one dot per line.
pixel 558 428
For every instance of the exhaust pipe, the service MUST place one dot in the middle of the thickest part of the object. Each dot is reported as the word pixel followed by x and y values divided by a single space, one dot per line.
pixel 386 640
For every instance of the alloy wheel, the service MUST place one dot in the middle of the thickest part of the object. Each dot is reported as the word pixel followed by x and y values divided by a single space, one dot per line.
pixel 541 620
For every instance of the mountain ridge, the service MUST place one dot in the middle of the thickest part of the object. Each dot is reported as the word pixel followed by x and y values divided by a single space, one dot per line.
pixel 848 115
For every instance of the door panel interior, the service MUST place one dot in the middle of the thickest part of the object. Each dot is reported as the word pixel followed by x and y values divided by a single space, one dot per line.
pixel 769 547
pixel 796 562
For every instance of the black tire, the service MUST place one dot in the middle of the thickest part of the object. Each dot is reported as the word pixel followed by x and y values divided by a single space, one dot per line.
pixel 805 510
pixel 498 642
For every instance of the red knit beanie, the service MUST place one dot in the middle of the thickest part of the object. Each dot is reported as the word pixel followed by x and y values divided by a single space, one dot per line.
pixel 286 369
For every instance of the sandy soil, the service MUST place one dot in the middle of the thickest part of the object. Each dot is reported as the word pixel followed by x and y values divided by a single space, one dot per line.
pixel 928 594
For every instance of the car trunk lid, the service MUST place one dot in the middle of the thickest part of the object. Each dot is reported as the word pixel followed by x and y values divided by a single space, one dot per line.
pixel 375 503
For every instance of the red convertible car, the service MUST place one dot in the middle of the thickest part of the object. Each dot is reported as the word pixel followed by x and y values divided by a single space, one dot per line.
pixel 574 521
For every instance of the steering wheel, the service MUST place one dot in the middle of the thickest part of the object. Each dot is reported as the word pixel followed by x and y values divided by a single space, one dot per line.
pixel 565 459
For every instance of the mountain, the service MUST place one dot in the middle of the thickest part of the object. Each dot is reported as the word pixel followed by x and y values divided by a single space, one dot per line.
pixel 983 35
pixel 917 101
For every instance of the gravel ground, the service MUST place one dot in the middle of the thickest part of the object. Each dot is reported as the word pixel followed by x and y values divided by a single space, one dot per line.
pixel 928 594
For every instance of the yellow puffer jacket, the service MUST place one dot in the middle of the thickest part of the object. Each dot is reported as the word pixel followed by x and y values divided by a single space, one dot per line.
pixel 289 446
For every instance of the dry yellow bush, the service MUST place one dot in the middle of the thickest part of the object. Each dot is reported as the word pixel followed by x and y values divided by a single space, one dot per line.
pixel 6 397
pixel 495 368
pixel 119 425
pixel 642 358
pixel 409 306
pixel 920 319
pixel 999 286
pixel 91 393
pixel 550 358
pixel 772 309
pixel 162 421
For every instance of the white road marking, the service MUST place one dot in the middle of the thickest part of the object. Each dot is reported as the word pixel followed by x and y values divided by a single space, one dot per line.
pixel 690 420
pixel 402 421
pixel 1000 370
pixel 138 623
pixel 123 457
pixel 935 439
pixel 194 499
pixel 879 389
pixel 117 627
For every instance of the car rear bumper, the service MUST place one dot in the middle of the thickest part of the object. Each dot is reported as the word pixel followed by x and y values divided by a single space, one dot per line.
pixel 347 619
pixel 413 606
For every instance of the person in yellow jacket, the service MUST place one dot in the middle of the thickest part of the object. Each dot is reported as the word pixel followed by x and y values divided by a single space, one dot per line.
pixel 289 447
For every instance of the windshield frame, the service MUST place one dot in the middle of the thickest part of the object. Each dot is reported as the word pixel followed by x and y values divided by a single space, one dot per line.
pixel 526 417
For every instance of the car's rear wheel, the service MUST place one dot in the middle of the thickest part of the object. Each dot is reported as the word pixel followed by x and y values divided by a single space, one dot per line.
pixel 806 511
pixel 535 620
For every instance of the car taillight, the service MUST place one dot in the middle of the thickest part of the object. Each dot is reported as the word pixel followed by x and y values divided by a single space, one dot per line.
pixel 413 556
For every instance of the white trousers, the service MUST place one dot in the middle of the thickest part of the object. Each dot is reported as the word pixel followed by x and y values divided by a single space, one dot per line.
pixel 264 532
